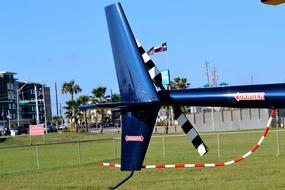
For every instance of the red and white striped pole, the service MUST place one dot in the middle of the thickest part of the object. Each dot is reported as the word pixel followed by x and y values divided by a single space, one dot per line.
pixel 234 161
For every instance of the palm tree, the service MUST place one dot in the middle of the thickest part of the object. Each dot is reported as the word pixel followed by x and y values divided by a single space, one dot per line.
pixel 224 84
pixel 115 97
pixel 83 100
pixel 57 120
pixel 72 113
pixel 70 88
pixel 179 83
pixel 99 96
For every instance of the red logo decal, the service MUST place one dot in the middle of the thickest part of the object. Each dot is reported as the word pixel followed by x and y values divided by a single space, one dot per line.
pixel 134 138
pixel 249 96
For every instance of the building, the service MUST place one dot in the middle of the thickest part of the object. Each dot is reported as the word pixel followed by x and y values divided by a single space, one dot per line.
pixel 8 106
pixel 18 103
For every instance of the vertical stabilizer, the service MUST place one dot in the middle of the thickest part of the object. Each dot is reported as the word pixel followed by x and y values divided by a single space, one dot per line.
pixel 135 86
pixel 134 83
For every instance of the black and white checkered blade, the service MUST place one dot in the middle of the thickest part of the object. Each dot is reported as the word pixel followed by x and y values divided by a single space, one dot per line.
pixel 190 131
pixel 178 114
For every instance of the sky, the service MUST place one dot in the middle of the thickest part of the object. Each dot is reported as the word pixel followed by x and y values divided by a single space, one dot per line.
pixel 57 41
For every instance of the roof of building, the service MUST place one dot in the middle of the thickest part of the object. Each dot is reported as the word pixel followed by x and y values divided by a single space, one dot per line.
pixel 7 73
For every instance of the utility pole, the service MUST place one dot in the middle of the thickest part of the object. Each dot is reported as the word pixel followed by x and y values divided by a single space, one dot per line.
pixel 214 77
pixel 37 104
pixel 18 109
pixel 212 81
pixel 9 119
pixel 44 101
pixel 207 73
pixel 60 113
pixel 3 121
pixel 56 99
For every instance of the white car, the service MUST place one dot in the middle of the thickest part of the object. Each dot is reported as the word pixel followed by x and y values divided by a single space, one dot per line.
pixel 62 127
pixel 14 132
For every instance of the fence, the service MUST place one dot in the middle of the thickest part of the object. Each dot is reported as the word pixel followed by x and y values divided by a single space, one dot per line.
pixel 166 148
pixel 217 140
pixel 53 155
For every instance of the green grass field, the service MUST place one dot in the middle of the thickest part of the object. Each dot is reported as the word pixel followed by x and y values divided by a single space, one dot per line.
pixel 60 168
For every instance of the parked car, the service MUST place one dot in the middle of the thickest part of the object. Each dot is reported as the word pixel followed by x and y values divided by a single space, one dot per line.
pixel 24 129
pixel 4 130
pixel 61 127
pixel 107 124
pixel 94 125
pixel 14 131
pixel 7 131
pixel 51 129
pixel 1 130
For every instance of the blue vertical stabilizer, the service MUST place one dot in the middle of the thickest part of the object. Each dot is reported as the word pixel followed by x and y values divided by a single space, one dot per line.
pixel 135 86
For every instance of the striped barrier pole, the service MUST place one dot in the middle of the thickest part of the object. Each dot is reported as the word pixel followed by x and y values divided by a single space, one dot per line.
pixel 234 161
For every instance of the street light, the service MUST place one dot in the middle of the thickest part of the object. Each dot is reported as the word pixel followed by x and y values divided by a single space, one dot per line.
pixel 18 106
pixel 43 100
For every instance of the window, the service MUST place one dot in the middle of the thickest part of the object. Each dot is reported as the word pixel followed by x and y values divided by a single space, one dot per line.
pixel 12 106
pixel 11 96
pixel 9 86
pixel 40 92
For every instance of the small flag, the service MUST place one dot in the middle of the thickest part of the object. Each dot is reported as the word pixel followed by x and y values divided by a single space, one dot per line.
pixel 151 51
pixel 158 49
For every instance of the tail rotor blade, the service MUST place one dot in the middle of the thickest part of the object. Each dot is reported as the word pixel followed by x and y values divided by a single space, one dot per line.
pixel 183 121
pixel 190 131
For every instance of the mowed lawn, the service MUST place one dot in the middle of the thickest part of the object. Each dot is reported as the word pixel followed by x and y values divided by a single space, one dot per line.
pixel 60 168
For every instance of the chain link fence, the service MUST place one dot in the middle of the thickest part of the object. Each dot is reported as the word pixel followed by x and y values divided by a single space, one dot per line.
pixel 166 148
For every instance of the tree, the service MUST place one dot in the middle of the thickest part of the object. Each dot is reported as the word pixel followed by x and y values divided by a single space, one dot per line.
pixel 115 97
pixel 70 88
pixel 99 96
pixel 57 120
pixel 83 100
pixel 179 83
pixel 224 84
pixel 72 113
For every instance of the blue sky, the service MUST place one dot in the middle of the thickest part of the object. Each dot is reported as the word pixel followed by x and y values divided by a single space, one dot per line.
pixel 56 41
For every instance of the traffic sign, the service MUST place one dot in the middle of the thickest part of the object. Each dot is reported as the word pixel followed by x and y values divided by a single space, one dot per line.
pixel 24 101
